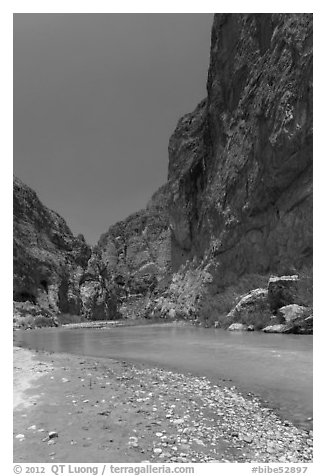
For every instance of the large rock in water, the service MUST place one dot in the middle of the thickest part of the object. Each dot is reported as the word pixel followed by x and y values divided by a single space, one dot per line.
pixel 277 329
pixel 50 263
pixel 240 165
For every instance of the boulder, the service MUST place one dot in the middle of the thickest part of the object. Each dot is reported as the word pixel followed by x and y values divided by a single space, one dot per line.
pixel 252 309
pixel 292 312
pixel 303 324
pixel 237 326
pixel 298 325
pixel 277 329
pixel 282 290
pixel 253 302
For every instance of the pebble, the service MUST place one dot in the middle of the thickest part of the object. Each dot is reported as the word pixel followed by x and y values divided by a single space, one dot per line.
pixel 179 421
pixel 204 415
pixel 248 439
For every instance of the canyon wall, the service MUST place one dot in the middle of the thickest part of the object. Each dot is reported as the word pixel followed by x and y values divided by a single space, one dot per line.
pixel 240 165
pixel 136 253
pixel 54 271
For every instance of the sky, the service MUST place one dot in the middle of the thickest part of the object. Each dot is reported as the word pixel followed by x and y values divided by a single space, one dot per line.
pixel 96 98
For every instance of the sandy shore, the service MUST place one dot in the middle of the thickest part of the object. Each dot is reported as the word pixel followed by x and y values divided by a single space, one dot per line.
pixel 102 410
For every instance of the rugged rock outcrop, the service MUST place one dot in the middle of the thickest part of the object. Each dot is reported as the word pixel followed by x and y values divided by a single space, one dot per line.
pixel 259 311
pixel 252 303
pixel 240 165
pixel 51 265
pixel 293 312
pixel 297 326
pixel 136 252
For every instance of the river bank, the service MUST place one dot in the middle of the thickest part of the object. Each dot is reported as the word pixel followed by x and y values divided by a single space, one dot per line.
pixel 103 410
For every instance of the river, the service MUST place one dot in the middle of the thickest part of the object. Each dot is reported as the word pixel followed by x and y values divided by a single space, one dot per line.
pixel 277 368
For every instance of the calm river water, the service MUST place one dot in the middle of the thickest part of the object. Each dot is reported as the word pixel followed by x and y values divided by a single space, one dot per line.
pixel 278 368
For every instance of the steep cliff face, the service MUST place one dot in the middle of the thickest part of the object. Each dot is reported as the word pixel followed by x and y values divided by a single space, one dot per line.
pixel 240 165
pixel 136 252
pixel 51 265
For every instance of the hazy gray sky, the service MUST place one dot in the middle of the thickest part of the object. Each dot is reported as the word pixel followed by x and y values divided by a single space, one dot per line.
pixel 96 98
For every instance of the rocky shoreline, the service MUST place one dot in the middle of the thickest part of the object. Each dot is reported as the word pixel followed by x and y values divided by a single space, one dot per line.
pixel 81 409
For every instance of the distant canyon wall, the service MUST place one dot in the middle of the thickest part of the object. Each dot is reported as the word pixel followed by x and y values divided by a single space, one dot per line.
pixel 53 269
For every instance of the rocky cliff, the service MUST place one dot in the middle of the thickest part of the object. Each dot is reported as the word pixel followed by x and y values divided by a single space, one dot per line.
pixel 240 165
pixel 54 271
pixel 136 252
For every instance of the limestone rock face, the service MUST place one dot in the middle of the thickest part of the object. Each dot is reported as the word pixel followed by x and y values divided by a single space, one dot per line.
pixel 240 165
pixel 185 297
pixel 136 252
pixel 50 263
